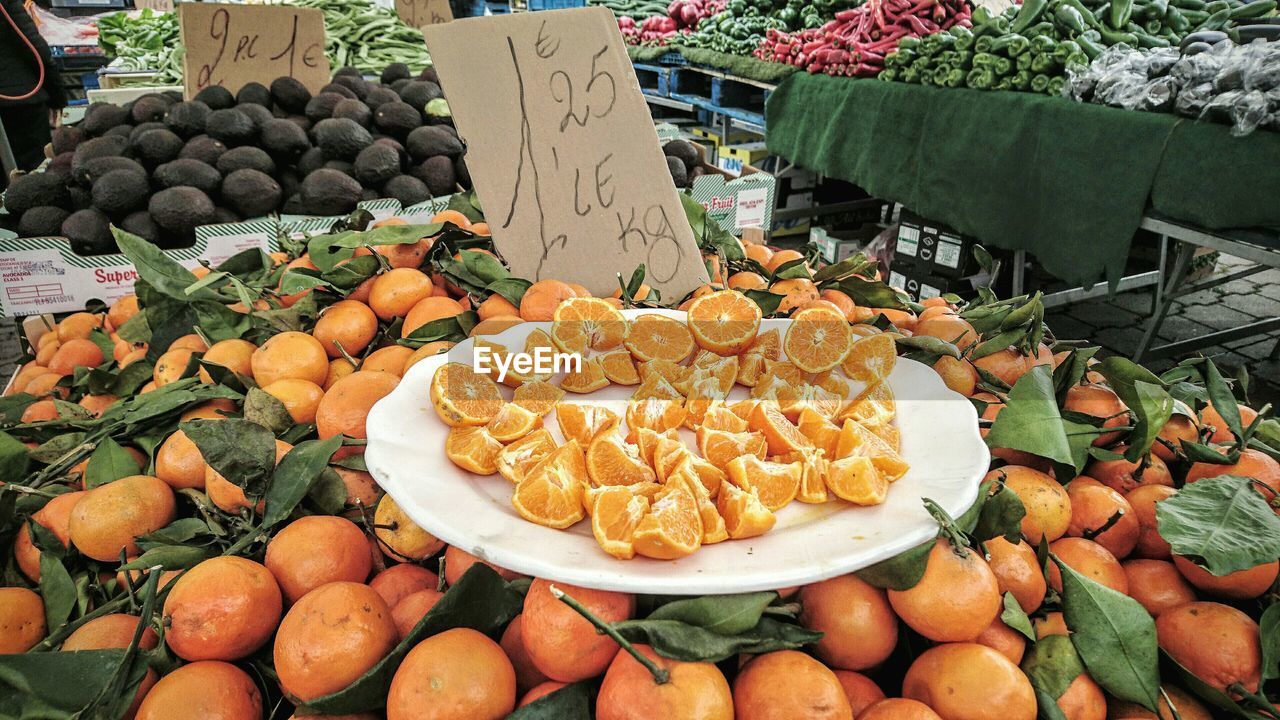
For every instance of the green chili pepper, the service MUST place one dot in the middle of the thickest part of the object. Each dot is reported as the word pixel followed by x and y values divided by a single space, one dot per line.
pixel 1255 9
pixel 1040 83
pixel 1042 63
pixel 980 79
pixel 1021 80
pixel 1069 19
pixel 1028 14
pixel 1120 13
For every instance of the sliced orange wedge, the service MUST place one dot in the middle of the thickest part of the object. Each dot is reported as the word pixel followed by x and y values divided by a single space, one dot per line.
pixel 782 436
pixel 684 476
pixel 856 440
pixel 723 370
pixel 587 322
pixel 674 373
pixel 667 454
pixel 584 422
pixel 824 434
pixel 704 394
pixel 776 484
pixel 817 339
pixel 752 363
pixel 744 515
pixel 647 442
pixel 587 379
pixel 616 512
pixel 720 446
pixel 656 386
pixel 857 480
pixel 813 469
pixel 536 339
pixel 725 321
pixel 513 422
pixel 472 448
pixel 873 406
pixel 672 528
pixel 538 397
pixel 462 396
pixel 516 459
pixel 654 414
pixel 658 337
pixel 721 417
pixel 551 492
pixel 619 367
pixel 871 359
pixel 611 461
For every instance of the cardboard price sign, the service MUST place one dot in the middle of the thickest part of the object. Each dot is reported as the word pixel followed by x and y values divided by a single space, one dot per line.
pixel 417 13
pixel 155 5
pixel 233 45
pixel 562 150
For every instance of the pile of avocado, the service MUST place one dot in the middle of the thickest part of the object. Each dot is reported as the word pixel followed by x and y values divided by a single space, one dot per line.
pixel 159 167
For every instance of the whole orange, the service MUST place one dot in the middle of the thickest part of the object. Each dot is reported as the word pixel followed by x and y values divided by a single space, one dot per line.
pixel 1100 402
pixel 1217 643
pixel 1143 500
pixel 114 631
pixel 859 628
pixel 55 516
pixel 955 600
pixel 898 709
pixel 967 681
pixel 1157 585
pixel 224 608
pixel 562 643
pixel 1004 640
pixel 409 611
pixel 22 623
pixel 290 354
pixel 458 561
pixel 395 292
pixel 109 518
pixel 788 684
pixel 527 674
pixel 1095 506
pixel 459 674
pixel 862 691
pixel 400 581
pixel 1017 571
pixel 1083 700
pixel 1124 476
pixel 1239 585
pixel 206 689
pixel 346 323
pixel 331 637
pixel 345 407
pixel 295 558
pixel 1089 559
pixel 1047 503
pixel 233 354
pixel 693 690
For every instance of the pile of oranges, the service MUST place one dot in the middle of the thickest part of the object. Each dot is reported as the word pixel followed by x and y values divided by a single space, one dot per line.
pixel 304 607
pixel 796 436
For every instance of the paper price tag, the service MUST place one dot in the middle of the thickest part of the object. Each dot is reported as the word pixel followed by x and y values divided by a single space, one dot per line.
pixel 562 150
pixel 417 13
pixel 233 45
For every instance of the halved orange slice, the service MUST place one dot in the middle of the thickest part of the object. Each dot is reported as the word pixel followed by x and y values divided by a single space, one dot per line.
pixel 674 373
pixel 873 406
pixel 616 511
pixel 724 370
pixel 658 337
pixel 725 321
pixel 582 422
pixel 752 362
pixel 667 454
pixel 551 492
pixel 744 515
pixel 857 480
pixel 655 414
pixel 516 459
pixel 462 396
pixel 823 433
pixel 656 386
pixel 721 417
pixel 589 377
pixel 473 449
pixel 719 447
pixel 619 367
pixel 713 530
pixel 538 397
pixel 813 470
pixel 856 440
pixel 610 461
pixel 871 359
pixel 782 437
pixel 647 442
pixel 587 322
pixel 817 339
pixel 776 484
pixel 513 422
pixel 672 529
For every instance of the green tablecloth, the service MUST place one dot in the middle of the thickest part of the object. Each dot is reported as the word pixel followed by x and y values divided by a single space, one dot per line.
pixel 1067 182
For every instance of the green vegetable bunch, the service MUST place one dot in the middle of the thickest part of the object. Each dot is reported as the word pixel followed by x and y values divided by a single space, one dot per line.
pixel 742 26
pixel 368 37
pixel 148 42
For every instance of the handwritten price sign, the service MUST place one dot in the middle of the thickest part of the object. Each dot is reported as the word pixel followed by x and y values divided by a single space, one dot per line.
pixel 562 150
pixel 417 13
pixel 233 45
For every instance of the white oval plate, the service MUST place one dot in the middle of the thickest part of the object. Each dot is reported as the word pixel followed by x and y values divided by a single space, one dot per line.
pixel 940 440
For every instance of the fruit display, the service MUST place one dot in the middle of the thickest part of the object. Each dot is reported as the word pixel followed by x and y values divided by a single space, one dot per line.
pixel 159 167
pixel 1029 47
pixel 799 435
pixel 185 494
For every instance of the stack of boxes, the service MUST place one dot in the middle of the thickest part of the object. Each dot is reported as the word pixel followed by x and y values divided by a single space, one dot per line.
pixel 932 259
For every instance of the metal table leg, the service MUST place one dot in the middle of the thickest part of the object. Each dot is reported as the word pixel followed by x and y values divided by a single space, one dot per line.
pixel 1181 264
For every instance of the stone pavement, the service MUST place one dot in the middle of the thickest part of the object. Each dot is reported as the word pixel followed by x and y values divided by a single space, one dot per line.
pixel 1117 324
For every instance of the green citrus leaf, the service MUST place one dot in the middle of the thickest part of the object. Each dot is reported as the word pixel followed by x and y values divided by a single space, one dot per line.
pixel 1222 523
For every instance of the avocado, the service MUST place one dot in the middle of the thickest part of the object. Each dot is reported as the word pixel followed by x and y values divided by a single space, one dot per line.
pixel 173 95
pixel 301 121
pixel 98 147
pixel 231 127
pixel 140 224
pixel 251 193
pixel 355 84
pixel 393 72
pixel 379 95
pixel 400 84
pixel 329 192
pixel 284 140
pixel 254 93
pixel 60 164
pixel 376 164
pixel 33 190
pixel 290 183
pixel 429 74
pixel 203 148
pixel 341 166
pixel 149 108
pixel 123 131
pixel 89 231
pixel 66 138
pixel 391 143
pixel 338 89
pixel 679 173
pixel 321 106
pixel 155 147
pixel 347 71
pixel 438 174
pixel 140 128
pixel 293 205
pixel 180 210
pixel 290 94
pixel 353 110
pixel 101 117
pixel 89 172
pixel 341 138
pixel 257 114
pixel 81 198
pixel 462 173
pixel 120 192
pixel 190 172
pixel 310 161
pixel 397 118
pixel 420 92
pixel 42 221
pixel 433 140
pixel 249 157
pixel 187 119
pixel 216 97
pixel 222 215
pixel 408 189
pixel 686 151
pixel 368 194
pixel 438 112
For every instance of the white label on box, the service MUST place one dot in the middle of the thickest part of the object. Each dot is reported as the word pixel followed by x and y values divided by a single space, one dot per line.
pixel 43 275
pixel 752 204
pixel 733 166
pixel 908 240
pixel 897 279
pixel 928 291
pixel 949 252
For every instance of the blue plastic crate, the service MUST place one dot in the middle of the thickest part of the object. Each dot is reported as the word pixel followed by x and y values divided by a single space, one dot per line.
pixel 556 4
pixel 89 81
pixel 740 100
pixel 654 80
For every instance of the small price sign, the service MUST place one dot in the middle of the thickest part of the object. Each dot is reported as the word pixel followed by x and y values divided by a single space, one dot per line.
pixel 154 5
pixel 563 151
pixel 417 13
pixel 233 45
